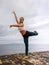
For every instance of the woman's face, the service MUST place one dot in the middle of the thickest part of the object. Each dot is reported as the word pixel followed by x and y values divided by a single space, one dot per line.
pixel 21 19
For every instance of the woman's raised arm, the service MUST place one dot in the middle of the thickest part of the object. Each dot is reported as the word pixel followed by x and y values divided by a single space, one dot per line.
pixel 16 18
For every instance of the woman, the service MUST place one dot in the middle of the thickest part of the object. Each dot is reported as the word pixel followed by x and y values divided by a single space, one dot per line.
pixel 24 32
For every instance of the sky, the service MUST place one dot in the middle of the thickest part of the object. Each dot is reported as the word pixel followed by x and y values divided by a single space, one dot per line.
pixel 36 15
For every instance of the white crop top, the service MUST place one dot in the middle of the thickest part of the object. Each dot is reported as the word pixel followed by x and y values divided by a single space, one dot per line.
pixel 21 28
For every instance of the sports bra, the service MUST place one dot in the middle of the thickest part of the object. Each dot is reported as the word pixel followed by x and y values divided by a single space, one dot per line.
pixel 21 28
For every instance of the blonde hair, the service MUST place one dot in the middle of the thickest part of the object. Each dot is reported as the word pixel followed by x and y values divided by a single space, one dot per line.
pixel 21 19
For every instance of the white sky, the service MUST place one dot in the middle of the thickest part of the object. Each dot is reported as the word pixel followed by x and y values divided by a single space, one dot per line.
pixel 35 12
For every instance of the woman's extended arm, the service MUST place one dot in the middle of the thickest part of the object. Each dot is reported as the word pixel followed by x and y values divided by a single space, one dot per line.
pixel 17 25
pixel 16 18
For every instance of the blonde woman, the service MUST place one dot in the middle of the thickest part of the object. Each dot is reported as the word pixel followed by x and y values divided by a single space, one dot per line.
pixel 25 33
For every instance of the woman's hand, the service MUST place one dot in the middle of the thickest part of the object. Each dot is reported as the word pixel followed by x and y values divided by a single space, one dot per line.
pixel 14 13
pixel 11 26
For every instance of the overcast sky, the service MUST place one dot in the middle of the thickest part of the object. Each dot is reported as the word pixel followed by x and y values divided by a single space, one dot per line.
pixel 35 12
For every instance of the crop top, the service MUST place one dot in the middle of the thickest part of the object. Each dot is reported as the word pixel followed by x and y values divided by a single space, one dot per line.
pixel 21 28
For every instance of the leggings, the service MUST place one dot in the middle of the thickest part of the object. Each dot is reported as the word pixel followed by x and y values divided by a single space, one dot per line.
pixel 25 37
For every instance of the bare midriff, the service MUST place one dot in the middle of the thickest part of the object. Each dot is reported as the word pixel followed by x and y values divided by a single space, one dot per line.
pixel 23 32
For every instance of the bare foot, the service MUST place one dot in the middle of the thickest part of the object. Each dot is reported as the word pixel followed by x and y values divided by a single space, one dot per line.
pixel 26 57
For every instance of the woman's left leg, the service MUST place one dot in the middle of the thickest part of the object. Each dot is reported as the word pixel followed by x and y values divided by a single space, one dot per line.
pixel 26 45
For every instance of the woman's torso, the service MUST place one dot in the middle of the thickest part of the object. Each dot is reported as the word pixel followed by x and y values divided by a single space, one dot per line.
pixel 22 30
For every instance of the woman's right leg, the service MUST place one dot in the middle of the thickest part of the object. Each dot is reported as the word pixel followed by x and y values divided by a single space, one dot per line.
pixel 32 33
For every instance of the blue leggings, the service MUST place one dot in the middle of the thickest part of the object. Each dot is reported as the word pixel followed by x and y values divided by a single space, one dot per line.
pixel 25 37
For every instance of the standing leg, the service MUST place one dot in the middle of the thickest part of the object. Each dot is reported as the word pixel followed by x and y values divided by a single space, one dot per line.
pixel 26 45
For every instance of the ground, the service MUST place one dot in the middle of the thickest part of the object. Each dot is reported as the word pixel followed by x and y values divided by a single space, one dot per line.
pixel 35 58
